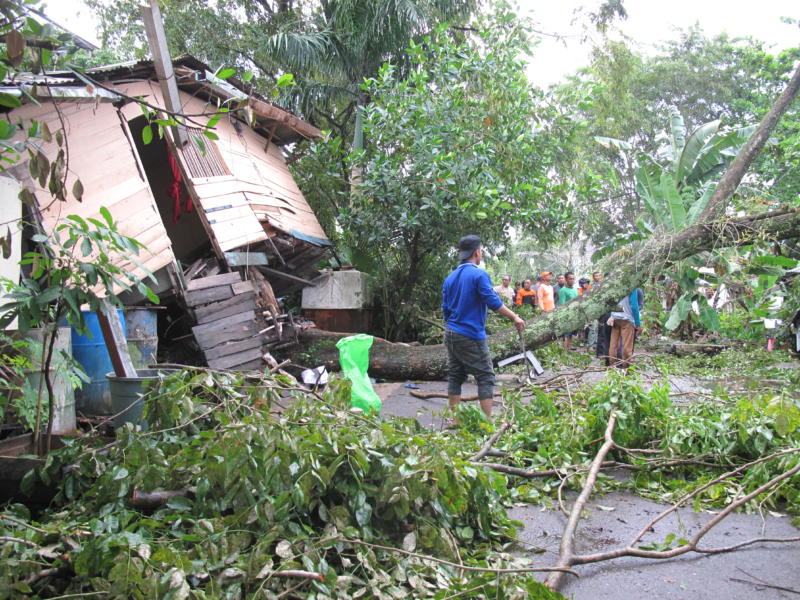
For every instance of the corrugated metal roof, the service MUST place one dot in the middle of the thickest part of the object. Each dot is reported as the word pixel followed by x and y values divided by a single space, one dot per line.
pixel 199 78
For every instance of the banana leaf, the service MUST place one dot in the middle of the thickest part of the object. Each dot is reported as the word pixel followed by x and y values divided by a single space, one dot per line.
pixel 694 146
pixel 613 143
pixel 678 136
pixel 699 205
pixel 675 216
pixel 717 153
pixel 680 311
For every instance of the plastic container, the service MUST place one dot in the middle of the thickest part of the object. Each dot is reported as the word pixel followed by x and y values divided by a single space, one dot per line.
pixel 141 331
pixel 126 395
pixel 64 410
pixel 354 358
pixel 91 353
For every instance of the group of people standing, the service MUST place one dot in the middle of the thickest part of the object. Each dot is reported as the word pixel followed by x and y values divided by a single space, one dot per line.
pixel 545 296
pixel 541 292
pixel 467 293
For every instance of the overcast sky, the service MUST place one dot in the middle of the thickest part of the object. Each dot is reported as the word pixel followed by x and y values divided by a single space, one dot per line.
pixel 649 22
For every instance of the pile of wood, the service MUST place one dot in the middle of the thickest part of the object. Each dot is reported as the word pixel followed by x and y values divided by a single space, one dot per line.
pixel 238 321
pixel 227 328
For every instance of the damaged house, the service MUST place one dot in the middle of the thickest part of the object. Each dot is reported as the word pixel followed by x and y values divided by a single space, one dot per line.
pixel 224 222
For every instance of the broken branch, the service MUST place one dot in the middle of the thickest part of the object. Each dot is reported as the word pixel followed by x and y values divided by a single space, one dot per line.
pixel 492 440
pixel 463 567
pixel 567 550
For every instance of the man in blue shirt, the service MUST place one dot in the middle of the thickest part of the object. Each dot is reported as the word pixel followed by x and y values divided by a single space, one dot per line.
pixel 466 294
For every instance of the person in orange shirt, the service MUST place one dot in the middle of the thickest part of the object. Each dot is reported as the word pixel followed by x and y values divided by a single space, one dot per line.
pixel 544 295
pixel 526 295
pixel 583 285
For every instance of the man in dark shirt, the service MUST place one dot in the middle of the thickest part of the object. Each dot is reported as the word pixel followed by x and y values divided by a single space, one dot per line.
pixel 466 294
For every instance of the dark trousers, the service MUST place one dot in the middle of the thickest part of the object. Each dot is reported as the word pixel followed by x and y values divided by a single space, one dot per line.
pixel 603 336
pixel 468 356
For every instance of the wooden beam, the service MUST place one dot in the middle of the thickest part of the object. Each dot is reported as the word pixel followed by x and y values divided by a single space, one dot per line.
pixel 246 259
pixel 157 39
pixel 213 281
pixel 114 336
pixel 277 273
pixel 263 109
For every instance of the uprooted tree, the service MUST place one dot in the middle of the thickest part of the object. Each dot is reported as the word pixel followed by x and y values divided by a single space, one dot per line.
pixel 714 230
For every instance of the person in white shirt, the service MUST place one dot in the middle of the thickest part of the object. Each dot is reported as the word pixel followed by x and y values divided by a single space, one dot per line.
pixel 505 291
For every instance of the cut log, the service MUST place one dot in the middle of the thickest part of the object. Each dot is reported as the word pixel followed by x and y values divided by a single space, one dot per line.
pixel 688 349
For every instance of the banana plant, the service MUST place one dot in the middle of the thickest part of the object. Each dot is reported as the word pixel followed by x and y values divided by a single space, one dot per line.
pixel 675 185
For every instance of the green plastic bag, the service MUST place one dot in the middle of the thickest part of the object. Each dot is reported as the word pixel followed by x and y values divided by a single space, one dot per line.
pixel 354 358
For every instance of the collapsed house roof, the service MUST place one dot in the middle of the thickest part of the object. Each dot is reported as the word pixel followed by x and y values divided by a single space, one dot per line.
pixel 229 192
pixel 241 187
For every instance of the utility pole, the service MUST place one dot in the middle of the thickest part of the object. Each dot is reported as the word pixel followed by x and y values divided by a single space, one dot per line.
pixel 157 39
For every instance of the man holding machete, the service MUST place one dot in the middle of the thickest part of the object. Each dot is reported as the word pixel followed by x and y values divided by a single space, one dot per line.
pixel 466 294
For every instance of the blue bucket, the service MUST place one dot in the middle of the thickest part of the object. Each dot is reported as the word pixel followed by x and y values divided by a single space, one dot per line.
pixel 91 353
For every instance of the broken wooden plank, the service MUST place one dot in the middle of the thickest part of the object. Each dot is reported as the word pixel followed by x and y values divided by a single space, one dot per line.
pixel 242 317
pixel 248 303
pixel 206 296
pixel 233 333
pixel 243 287
pixel 214 311
pixel 246 259
pixel 233 347
pixel 213 281
pixel 194 269
pixel 265 291
pixel 114 336
pixel 253 365
pixel 234 360
pixel 277 273
pixel 224 313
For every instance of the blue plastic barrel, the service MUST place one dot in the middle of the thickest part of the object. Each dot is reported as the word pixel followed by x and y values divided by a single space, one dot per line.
pixel 141 331
pixel 91 353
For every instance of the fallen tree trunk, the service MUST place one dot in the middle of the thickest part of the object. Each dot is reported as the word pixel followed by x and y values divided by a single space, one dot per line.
pixel 689 349
pixel 400 361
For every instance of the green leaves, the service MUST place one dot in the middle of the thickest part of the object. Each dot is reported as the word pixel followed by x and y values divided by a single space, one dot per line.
pixel 147 134
pixel 267 495
pixel 679 311
pixel 225 73
pixel 452 143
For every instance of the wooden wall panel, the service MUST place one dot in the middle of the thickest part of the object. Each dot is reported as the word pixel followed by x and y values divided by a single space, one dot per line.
pixel 259 176
pixel 259 170
pixel 101 156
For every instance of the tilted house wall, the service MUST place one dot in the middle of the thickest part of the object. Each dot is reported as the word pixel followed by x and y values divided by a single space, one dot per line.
pixel 244 194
